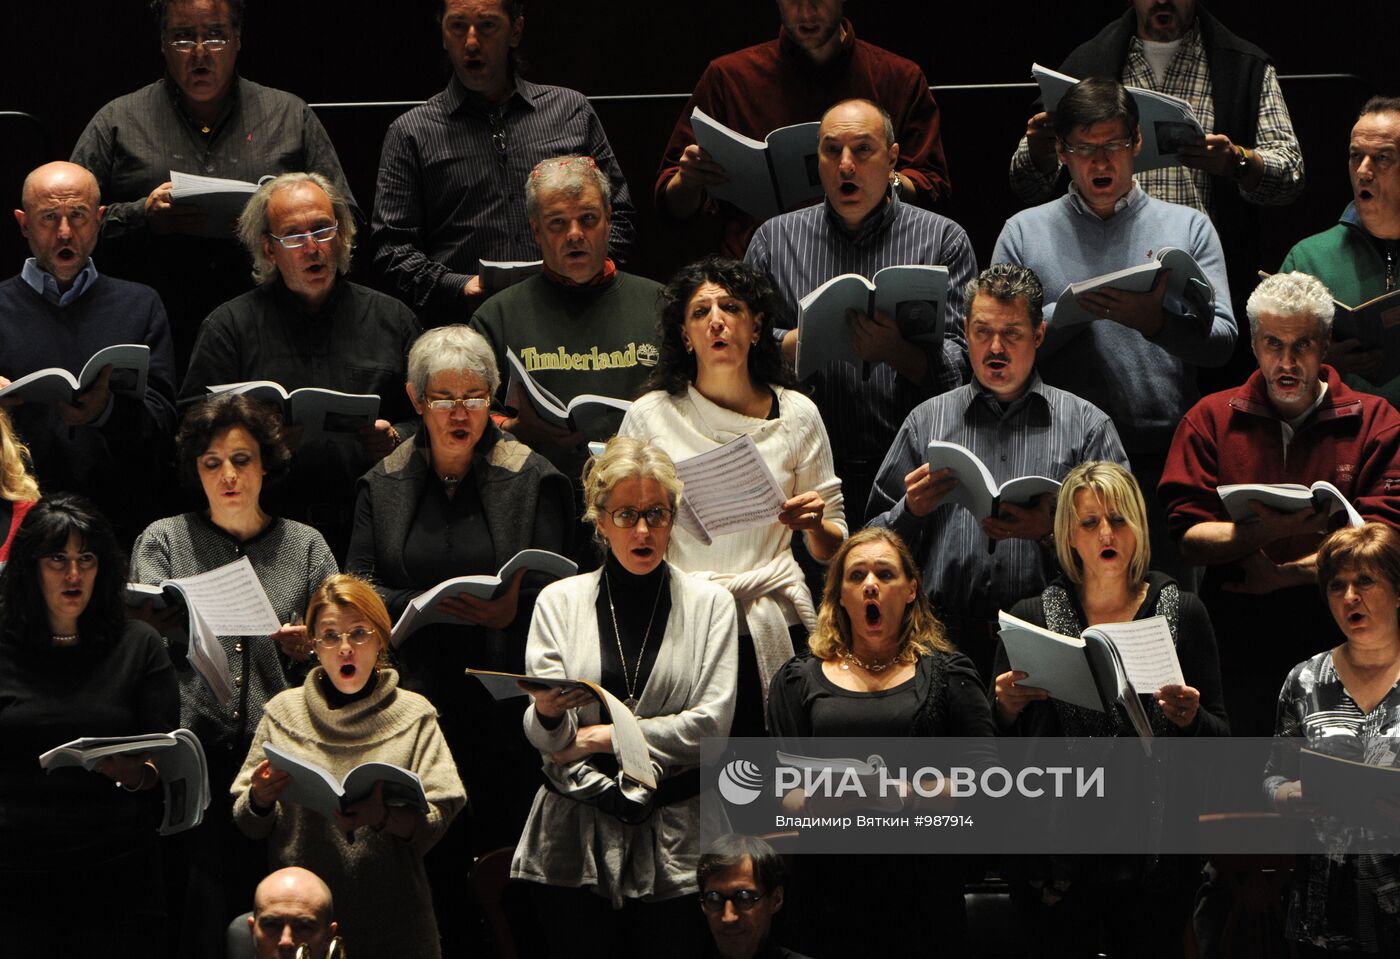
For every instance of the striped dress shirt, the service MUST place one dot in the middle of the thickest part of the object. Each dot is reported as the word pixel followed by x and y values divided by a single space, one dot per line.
pixel 451 188
pixel 1046 432
pixel 803 249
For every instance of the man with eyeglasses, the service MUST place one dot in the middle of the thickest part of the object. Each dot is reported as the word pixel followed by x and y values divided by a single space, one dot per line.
pixel 741 890
pixel 1250 156
pixel 108 442
pixel 1139 360
pixel 1292 421
pixel 306 325
pixel 201 118
pixel 580 326
pixel 452 172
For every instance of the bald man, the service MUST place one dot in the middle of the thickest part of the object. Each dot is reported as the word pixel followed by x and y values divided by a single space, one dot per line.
pixel 292 907
pixel 863 226
pixel 58 312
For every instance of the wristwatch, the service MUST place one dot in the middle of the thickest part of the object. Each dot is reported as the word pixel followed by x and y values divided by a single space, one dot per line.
pixel 1241 168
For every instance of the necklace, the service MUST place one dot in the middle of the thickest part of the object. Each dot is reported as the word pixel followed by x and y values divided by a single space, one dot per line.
pixel 450 483
pixel 851 657
pixel 70 639
pixel 631 682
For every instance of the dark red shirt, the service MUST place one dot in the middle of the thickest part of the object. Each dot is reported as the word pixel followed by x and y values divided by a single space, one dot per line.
pixel 775 84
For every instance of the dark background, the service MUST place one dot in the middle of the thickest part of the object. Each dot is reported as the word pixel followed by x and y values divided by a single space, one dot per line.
pixel 68 58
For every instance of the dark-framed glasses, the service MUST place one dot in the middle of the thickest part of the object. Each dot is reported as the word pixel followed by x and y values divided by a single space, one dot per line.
pixel 59 562
pixel 295 241
pixel 358 636
pixel 469 403
pixel 1087 151
pixel 743 899
pixel 657 517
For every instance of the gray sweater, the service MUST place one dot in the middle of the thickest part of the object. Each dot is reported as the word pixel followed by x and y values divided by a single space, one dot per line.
pixel 290 561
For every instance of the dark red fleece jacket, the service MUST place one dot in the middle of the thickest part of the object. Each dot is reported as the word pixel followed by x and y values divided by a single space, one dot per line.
pixel 1352 440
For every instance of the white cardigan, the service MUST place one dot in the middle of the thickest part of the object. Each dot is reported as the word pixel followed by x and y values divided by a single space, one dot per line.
pixel 796 448
pixel 688 696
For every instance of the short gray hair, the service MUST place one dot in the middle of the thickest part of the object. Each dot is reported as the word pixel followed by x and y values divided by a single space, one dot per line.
pixel 252 223
pixel 886 123
pixel 1289 295
pixel 1007 282
pixel 451 349
pixel 623 458
pixel 569 175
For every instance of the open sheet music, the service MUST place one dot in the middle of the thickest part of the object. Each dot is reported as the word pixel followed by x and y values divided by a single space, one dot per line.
pixel 727 489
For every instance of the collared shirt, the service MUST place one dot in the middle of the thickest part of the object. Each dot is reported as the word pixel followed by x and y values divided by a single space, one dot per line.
pixel 133 143
pixel 1188 77
pixel 1045 432
pixel 803 249
pixel 451 189
pixel 46 286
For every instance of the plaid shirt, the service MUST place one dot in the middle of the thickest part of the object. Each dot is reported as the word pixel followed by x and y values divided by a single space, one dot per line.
pixel 1188 77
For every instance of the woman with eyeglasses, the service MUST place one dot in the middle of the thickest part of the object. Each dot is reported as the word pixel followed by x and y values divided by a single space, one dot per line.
pixel 227 447
pixel 721 376
pixel 18 488
pixel 461 498
pixel 602 852
pixel 351 710
pixel 71 665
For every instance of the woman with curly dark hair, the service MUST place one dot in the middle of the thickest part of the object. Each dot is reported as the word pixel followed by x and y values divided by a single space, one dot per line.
pixel 227 446
pixel 721 375
pixel 72 666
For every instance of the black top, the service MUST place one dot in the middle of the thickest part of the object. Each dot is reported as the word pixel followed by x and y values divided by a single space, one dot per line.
pixel 449 536
pixel 633 598
pixel 53 822
pixel 1195 648
pixel 944 698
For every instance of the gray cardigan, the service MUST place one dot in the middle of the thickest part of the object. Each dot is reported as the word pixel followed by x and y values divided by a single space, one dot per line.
pixel 688 696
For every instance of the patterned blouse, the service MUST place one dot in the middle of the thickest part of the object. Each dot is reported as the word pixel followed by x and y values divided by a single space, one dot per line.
pixel 1339 901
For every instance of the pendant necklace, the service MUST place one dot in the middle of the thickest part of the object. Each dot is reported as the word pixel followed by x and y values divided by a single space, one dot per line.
pixel 630 682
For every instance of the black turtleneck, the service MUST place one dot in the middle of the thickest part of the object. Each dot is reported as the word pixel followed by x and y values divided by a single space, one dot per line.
pixel 336 699
pixel 633 599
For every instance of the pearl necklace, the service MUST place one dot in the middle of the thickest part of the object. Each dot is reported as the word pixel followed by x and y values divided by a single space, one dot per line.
pixel 61 641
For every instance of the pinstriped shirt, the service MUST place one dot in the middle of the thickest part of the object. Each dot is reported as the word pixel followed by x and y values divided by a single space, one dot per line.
pixel 451 187
pixel 803 249
pixel 1046 432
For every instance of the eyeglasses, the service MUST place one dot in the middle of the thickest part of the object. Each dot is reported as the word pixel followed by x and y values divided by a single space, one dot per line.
pixel 743 899
pixel 295 241
pixel 657 517
pixel 1087 151
pixel 59 562
pixel 469 403
pixel 358 636
pixel 214 43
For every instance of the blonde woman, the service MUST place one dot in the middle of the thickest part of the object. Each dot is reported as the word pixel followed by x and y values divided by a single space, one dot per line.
pixel 1137 905
pixel 19 490
pixel 600 856
pixel 879 665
